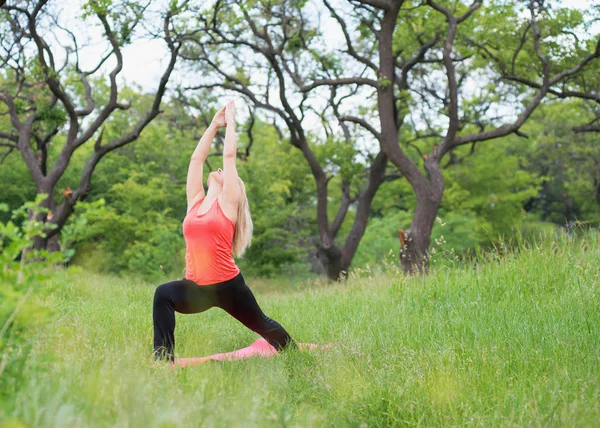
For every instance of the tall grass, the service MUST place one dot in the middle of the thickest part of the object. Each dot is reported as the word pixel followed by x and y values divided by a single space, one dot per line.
pixel 512 339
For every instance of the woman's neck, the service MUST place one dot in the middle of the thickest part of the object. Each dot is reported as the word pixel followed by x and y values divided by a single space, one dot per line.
pixel 213 192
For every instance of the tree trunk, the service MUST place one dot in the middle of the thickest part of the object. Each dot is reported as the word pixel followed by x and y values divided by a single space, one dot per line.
pixel 50 242
pixel 414 256
pixel 363 210
pixel 414 248
pixel 331 259
pixel 414 243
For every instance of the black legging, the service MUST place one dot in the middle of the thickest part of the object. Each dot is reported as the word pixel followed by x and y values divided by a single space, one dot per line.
pixel 187 297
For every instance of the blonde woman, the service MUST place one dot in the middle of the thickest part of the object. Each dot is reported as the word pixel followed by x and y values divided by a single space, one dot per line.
pixel 216 227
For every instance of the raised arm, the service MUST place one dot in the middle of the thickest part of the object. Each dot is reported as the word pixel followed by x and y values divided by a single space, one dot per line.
pixel 194 187
pixel 231 186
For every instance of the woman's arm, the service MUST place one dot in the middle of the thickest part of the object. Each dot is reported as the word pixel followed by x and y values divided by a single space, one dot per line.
pixel 194 187
pixel 231 186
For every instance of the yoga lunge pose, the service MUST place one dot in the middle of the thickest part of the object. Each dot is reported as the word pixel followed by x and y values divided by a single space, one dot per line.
pixel 216 227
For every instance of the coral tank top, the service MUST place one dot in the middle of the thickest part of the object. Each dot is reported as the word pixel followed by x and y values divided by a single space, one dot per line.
pixel 208 245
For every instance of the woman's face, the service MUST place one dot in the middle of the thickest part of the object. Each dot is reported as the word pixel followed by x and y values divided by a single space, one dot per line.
pixel 216 178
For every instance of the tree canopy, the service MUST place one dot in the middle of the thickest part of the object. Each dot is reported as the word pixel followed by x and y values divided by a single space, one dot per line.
pixel 371 126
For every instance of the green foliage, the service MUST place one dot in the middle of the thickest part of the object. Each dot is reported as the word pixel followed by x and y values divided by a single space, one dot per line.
pixel 417 23
pixel 279 188
pixel 567 162
pixel 380 241
pixel 341 157
pixel 124 16
pixel 494 196
pixel 131 219
pixel 484 195
pixel 138 232
pixel 82 227
pixel 92 7
pixel 138 202
pixel 17 185
pixel 23 273
pixel 564 30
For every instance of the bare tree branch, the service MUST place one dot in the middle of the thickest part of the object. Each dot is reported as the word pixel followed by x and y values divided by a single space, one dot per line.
pixel 339 82
pixel 12 110
pixel 587 128
pixel 362 123
pixel 51 73
pixel 342 209
pixel 379 4
pixel 454 124
pixel 419 57
pixel 350 47
pixel 543 89
pixel 9 137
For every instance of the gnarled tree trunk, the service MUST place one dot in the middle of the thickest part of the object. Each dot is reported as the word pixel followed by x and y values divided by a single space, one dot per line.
pixel 414 243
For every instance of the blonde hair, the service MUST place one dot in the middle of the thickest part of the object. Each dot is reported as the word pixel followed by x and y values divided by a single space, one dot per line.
pixel 242 235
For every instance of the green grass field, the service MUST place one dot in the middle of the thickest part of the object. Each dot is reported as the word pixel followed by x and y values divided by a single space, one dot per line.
pixel 511 341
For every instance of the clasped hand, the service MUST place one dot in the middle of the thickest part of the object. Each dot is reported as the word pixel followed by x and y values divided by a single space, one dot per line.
pixel 225 116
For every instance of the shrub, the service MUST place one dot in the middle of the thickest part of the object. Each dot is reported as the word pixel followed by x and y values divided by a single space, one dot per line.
pixel 23 269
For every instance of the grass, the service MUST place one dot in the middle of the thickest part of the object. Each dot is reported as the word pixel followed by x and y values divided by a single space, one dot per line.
pixel 511 341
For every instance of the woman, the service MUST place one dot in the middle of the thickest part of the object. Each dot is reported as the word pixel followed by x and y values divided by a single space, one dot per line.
pixel 217 226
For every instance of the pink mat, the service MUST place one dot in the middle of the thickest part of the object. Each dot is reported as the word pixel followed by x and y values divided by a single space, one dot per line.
pixel 260 348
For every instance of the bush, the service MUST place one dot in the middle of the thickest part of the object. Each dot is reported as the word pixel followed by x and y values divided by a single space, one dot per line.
pixel 21 274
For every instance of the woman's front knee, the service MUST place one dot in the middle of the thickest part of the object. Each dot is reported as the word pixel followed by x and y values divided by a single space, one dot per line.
pixel 161 293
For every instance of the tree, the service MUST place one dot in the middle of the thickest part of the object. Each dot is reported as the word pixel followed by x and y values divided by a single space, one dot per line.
pixel 570 161
pixel 468 31
pixel 277 42
pixel 50 103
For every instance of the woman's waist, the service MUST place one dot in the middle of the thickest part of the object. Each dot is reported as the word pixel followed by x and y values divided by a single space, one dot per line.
pixel 206 259
pixel 210 254
pixel 216 280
